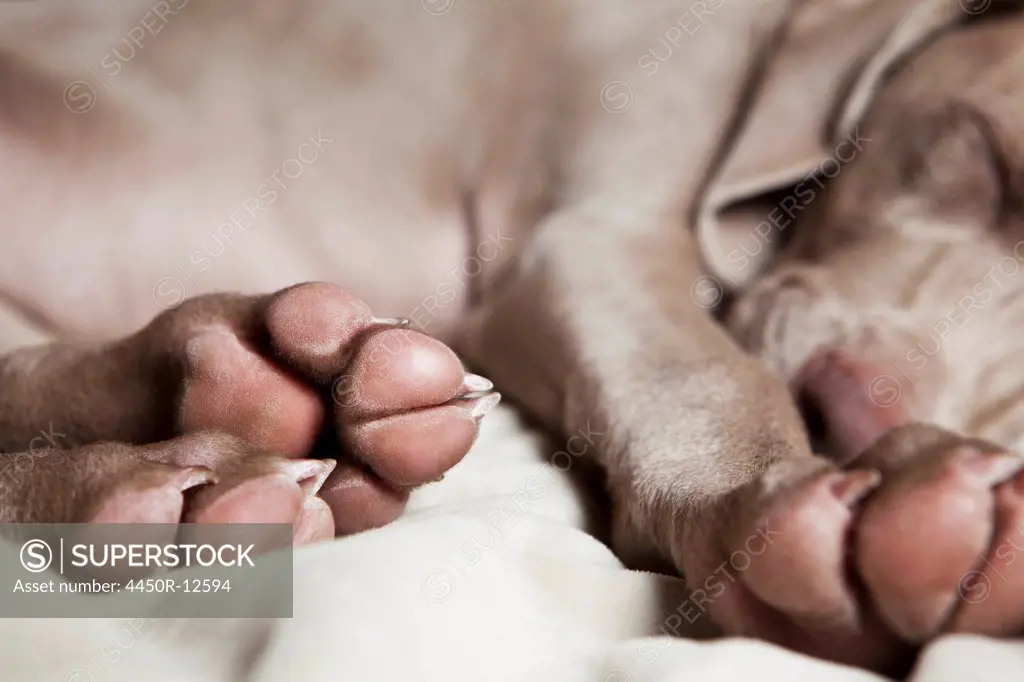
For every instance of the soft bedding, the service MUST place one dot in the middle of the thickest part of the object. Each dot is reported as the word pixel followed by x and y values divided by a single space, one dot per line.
pixel 492 574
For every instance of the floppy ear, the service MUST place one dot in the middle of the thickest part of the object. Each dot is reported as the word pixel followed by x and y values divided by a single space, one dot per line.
pixel 951 167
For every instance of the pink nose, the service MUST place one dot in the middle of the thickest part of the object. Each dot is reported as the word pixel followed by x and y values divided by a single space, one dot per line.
pixel 843 390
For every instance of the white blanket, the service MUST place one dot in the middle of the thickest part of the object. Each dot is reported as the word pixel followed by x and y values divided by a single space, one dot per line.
pixel 491 575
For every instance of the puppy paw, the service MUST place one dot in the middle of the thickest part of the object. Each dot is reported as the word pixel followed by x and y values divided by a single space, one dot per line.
pixel 205 477
pixel 202 477
pixel 865 565
pixel 305 374
pixel 311 366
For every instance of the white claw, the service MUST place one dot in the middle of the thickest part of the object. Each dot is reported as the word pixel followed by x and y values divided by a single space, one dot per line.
pixel 474 383
pixel 399 322
pixel 484 405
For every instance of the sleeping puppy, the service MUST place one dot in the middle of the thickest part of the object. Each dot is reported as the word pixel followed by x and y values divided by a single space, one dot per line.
pixel 492 202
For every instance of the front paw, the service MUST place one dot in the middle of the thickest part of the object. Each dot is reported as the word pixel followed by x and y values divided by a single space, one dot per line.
pixel 305 373
pixel 204 477
pixel 310 364
pixel 914 539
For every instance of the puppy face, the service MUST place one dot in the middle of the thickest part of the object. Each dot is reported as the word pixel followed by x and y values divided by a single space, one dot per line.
pixel 901 295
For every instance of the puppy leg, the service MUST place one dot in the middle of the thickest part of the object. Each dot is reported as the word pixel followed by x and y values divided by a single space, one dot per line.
pixel 709 468
pixel 602 331
pixel 306 366
pixel 597 334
